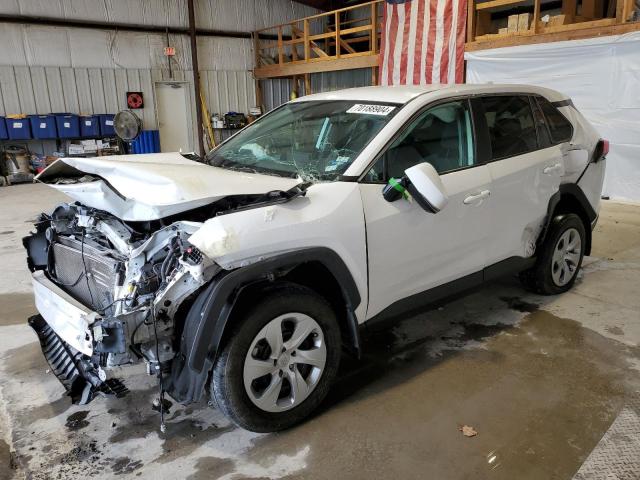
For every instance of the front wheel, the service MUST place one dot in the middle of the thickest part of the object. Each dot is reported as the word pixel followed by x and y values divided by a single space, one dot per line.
pixel 279 361
pixel 560 258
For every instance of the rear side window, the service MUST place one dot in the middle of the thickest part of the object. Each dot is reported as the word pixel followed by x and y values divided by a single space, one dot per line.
pixel 560 128
pixel 511 125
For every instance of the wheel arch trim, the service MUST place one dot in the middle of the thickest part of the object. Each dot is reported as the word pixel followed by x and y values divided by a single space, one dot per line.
pixel 209 316
pixel 574 192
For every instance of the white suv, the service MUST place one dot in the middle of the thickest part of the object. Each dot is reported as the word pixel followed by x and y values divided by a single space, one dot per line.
pixel 245 275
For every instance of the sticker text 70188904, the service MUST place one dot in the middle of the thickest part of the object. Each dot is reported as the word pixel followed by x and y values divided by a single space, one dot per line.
pixel 371 109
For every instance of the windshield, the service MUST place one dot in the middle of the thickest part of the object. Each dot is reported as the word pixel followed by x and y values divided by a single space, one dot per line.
pixel 316 141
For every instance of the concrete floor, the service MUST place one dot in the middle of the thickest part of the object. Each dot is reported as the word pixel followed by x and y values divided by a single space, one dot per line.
pixel 541 379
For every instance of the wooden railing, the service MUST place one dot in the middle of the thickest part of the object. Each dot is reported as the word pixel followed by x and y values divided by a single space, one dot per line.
pixel 523 23
pixel 342 39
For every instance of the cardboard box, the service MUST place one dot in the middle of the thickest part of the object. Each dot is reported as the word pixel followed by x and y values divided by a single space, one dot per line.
pixel 556 20
pixel 513 23
pixel 503 31
pixel 524 21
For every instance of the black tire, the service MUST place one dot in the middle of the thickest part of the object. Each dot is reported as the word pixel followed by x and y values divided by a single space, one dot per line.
pixel 539 278
pixel 227 385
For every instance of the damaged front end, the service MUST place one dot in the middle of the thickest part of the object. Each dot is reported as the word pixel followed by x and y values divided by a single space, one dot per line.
pixel 109 293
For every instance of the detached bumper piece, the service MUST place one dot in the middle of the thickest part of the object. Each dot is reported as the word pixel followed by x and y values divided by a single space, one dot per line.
pixel 74 370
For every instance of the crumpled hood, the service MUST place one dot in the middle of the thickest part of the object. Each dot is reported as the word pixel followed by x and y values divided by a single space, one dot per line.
pixel 153 186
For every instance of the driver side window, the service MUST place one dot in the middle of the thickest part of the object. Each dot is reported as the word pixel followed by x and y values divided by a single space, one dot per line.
pixel 442 136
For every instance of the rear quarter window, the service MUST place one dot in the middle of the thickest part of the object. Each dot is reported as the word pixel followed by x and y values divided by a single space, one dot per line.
pixel 560 129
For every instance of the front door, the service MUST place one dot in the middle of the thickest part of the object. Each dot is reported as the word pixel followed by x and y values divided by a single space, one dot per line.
pixel 410 250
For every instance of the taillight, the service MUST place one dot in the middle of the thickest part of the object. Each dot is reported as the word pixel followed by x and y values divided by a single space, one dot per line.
pixel 602 149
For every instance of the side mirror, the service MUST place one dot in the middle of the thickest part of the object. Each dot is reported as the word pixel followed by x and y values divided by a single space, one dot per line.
pixel 575 161
pixel 425 186
pixel 423 183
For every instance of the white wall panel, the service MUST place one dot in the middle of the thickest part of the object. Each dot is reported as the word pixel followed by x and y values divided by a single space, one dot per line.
pixel 9 90
pixel 25 90
pixel 40 89
pixel 56 94
pixel 96 86
pixel 601 76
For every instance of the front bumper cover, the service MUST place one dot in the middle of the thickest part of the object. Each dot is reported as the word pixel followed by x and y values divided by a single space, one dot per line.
pixel 78 375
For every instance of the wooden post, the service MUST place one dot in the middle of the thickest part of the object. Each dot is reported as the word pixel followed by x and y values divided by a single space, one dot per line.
pixel 536 16
pixel 337 21
pixel 307 84
pixel 471 20
pixel 307 50
pixel 373 41
pixel 569 8
pixel 256 46
pixel 280 47
pixel 196 76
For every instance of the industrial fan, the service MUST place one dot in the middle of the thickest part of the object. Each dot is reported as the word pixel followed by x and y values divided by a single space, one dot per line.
pixel 127 125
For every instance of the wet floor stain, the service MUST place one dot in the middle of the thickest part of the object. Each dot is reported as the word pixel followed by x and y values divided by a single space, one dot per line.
pixel 540 391
pixel 16 308
pixel 614 330
pixel 519 305
pixel 208 468
pixel 77 420
pixel 7 463
pixel 125 465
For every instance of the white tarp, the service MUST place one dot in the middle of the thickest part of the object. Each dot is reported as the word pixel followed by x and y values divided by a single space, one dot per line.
pixel 601 75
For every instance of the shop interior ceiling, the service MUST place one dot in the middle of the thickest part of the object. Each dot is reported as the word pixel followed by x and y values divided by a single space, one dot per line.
pixel 223 15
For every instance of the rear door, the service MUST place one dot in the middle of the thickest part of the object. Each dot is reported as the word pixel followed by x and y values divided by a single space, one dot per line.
pixel 525 169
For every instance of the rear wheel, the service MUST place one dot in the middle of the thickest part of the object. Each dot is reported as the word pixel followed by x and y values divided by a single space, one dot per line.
pixel 279 362
pixel 560 258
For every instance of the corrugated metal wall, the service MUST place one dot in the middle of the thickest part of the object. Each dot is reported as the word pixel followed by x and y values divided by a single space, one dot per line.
pixel 55 69
pixel 276 91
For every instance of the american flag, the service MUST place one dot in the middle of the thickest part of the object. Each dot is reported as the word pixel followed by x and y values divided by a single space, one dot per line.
pixel 423 42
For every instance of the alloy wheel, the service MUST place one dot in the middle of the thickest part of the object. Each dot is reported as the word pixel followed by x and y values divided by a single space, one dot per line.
pixel 566 257
pixel 285 362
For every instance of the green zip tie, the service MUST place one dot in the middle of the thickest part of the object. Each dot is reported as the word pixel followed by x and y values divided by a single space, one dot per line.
pixel 395 184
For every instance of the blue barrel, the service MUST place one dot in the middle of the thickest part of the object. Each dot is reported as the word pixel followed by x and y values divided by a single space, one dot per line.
pixel 106 125
pixel 68 125
pixel 4 135
pixel 18 128
pixel 90 126
pixel 43 126
pixel 147 142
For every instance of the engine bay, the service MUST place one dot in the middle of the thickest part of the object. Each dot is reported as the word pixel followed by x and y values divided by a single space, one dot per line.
pixel 135 276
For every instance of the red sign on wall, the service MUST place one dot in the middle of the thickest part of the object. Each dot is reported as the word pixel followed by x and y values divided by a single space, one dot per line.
pixel 135 100
pixel 170 51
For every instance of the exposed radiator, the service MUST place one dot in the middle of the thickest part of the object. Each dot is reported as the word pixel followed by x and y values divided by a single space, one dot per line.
pixel 95 289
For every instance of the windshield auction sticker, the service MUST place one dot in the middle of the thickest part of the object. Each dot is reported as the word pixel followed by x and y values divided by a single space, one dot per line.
pixel 371 109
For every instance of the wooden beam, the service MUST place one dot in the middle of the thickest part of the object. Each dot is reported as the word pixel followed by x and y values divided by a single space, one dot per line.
pixel 345 44
pixel 280 47
pixel 471 20
pixel 307 51
pixel 572 33
pixel 307 84
pixel 337 25
pixel 569 9
pixel 536 15
pixel 300 68
pixel 592 9
pixel 373 37
pixel 310 44
pixel 497 3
